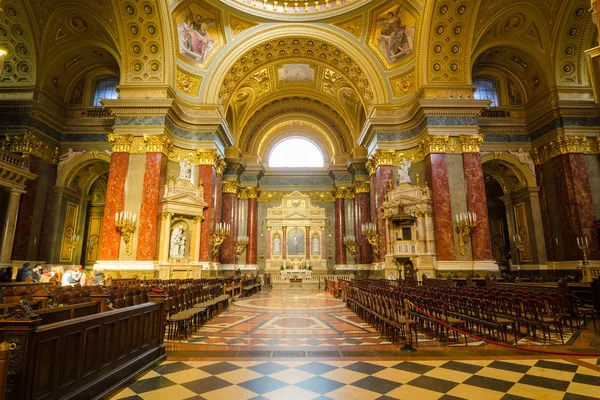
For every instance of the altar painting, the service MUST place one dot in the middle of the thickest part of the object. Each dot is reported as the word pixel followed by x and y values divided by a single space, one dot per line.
pixel 296 243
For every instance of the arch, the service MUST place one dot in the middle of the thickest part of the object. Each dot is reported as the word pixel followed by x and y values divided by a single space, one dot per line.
pixel 360 61
pixel 509 171
pixel 96 162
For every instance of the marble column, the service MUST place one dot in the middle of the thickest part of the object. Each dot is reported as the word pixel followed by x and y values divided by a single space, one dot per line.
pixel 437 176
pixel 575 205
pixel 207 174
pixel 154 180
pixel 384 177
pixel 110 243
pixel 166 234
pixel 307 245
pixel 10 223
pixel 481 242
pixel 252 227
pixel 228 206
pixel 363 215
pixel 340 231
pixel 27 208
pixel 284 244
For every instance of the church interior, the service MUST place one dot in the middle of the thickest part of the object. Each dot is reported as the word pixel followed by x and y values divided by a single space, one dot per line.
pixel 250 199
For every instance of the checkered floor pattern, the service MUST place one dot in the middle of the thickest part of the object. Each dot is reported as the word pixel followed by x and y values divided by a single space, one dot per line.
pixel 421 380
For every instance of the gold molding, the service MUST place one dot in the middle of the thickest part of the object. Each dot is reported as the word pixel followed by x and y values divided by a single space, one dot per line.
pixel 220 166
pixel 361 187
pixel 28 144
pixel 566 145
pixel 342 193
pixel 434 144
pixel 380 158
pixel 231 187
pixel 315 197
pixel 252 192
pixel 157 144
pixel 470 144
pixel 188 83
pixel 120 143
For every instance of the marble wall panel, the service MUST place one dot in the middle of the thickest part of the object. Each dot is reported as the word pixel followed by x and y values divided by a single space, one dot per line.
pixel 437 176
pixel 592 163
pixel 251 256
pixel 363 215
pixel 385 176
pixel 477 203
pixel 25 217
pixel 133 199
pixel 207 174
pixel 554 221
pixel 549 247
pixel 458 201
pixel 340 229
pixel 148 231
pixel 115 200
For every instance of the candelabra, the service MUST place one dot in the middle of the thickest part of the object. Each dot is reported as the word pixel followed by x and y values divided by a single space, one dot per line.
pixel 369 230
pixel 125 223
pixel 222 230
pixel 465 222
pixel 350 243
pixel 582 243
pixel 238 248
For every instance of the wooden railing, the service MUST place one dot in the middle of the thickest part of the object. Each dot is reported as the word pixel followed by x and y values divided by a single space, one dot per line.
pixel 81 358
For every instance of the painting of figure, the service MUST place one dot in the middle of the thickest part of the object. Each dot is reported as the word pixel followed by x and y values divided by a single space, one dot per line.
pixel 295 243
pixel 296 73
pixel 195 30
pixel 395 30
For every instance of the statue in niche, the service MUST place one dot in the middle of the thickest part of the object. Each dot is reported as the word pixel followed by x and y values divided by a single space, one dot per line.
pixel 403 168
pixel 185 170
pixel 177 248
pixel 276 245
pixel 315 244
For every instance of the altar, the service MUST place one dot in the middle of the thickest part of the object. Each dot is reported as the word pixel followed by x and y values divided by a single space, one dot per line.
pixel 296 237
pixel 298 272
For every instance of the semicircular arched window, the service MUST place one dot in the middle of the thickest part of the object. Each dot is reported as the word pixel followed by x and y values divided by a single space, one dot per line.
pixel 296 152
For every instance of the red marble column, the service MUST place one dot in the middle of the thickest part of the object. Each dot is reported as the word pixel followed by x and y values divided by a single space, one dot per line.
pixel 384 174
pixel 268 244
pixel 228 206
pixel 575 205
pixel 207 174
pixel 284 244
pixel 252 231
pixel 148 230
pixel 26 213
pixel 363 215
pixel 481 241
pixel 110 243
pixel 218 187
pixel 539 174
pixel 340 231
pixel 437 176
pixel 307 245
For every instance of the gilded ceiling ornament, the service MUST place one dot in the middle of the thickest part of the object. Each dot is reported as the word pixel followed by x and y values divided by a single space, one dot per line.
pixel 238 25
pixel 120 143
pixel 353 26
pixel 470 144
pixel 157 144
pixel 188 84
pixel 402 84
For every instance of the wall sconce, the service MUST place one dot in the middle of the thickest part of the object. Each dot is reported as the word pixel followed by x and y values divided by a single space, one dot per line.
pixel 369 230
pixel 350 243
pixel 222 230
pixel 125 223
pixel 465 221
pixel 239 246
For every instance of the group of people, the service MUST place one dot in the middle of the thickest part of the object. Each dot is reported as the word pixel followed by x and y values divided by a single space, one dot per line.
pixel 71 277
pixel 23 273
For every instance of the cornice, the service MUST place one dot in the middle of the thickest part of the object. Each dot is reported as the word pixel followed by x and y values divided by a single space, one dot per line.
pixel 566 145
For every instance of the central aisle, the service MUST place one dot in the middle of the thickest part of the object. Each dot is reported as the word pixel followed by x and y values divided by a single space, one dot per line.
pixel 295 342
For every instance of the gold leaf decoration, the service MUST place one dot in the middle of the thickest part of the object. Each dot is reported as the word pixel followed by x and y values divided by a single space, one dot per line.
pixel 402 84
pixel 353 26
pixel 187 83
pixel 239 25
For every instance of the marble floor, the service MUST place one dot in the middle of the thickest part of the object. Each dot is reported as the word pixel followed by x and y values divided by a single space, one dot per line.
pixel 297 342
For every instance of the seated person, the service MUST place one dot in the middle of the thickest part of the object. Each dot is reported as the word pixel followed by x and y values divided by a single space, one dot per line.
pixel 23 273
pixel 6 274
pixel 36 273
